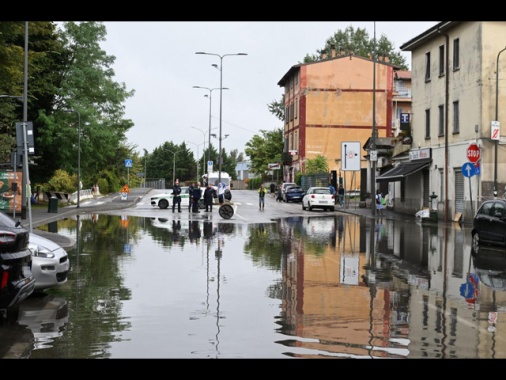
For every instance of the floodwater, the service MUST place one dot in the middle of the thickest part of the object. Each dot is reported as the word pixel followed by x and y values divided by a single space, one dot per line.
pixel 301 287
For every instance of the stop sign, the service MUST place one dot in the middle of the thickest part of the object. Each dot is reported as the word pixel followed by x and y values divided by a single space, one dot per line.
pixel 473 153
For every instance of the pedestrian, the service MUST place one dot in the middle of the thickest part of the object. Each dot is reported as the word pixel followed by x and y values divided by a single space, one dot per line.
pixel 197 194
pixel 221 193
pixel 209 197
pixel 261 196
pixel 176 196
pixel 190 196
pixel 273 189
pixel 340 195
pixel 332 190
pixel 379 202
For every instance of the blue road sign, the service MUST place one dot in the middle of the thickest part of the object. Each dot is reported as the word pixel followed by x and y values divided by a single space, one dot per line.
pixel 468 169
pixel 128 163
pixel 477 168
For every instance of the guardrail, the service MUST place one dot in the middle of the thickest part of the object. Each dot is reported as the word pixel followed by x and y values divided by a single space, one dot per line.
pixel 67 198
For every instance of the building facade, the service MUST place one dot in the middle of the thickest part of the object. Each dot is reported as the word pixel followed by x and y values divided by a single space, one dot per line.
pixel 456 102
pixel 331 102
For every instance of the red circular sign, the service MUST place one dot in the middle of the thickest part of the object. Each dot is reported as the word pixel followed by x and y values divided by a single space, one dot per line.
pixel 473 153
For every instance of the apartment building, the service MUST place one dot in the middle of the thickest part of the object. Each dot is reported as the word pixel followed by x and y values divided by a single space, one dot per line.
pixel 331 102
pixel 458 99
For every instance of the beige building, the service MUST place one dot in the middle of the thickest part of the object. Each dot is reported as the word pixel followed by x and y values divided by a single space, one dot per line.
pixel 458 100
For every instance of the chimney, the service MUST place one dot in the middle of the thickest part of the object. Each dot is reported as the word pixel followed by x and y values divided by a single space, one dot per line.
pixel 324 55
pixel 333 51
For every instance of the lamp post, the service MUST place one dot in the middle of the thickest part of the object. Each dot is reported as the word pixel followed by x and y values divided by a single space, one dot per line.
pixel 145 166
pixel 78 156
pixel 209 147
pixel 197 154
pixel 210 101
pixel 221 100
pixel 173 167
pixel 496 117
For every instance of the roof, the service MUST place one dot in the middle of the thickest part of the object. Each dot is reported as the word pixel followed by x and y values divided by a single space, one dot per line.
pixel 403 170
pixel 428 35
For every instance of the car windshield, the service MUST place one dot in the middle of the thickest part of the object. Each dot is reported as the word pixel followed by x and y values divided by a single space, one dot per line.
pixel 322 191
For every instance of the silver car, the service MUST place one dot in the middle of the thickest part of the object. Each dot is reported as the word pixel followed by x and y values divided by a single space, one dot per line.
pixel 50 262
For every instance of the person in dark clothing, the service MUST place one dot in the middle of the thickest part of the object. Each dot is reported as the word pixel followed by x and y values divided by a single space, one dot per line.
pixel 190 198
pixel 340 195
pixel 197 194
pixel 176 199
pixel 209 197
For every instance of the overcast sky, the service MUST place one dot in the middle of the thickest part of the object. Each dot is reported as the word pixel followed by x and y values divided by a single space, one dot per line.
pixel 158 61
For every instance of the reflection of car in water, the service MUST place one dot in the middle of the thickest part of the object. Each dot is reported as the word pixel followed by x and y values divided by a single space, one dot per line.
pixel 319 228
pixel 490 266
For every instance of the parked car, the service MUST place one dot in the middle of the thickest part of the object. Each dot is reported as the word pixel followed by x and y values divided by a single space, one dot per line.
pixel 489 224
pixel 282 189
pixel 50 263
pixel 164 200
pixel 17 281
pixel 293 194
pixel 318 197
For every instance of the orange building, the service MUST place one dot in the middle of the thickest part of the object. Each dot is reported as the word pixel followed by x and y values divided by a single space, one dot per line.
pixel 332 101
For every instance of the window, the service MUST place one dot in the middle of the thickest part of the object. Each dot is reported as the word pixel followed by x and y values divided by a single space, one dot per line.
pixel 427 66
pixel 441 184
pixel 296 108
pixel 456 123
pixel 296 141
pixel 296 78
pixel 456 54
pixel 441 60
pixel 291 112
pixel 427 124
pixel 287 114
pixel 441 130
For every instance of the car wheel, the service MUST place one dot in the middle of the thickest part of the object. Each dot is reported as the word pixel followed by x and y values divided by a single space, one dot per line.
pixel 332 209
pixel 163 204
pixel 310 207
pixel 476 242
pixel 303 208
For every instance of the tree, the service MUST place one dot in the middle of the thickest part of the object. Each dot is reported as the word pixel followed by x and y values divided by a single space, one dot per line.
pixel 265 149
pixel 86 97
pixel 316 165
pixel 356 41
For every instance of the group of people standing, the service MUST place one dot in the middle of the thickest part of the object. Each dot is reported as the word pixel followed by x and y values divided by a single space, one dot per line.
pixel 339 194
pixel 195 193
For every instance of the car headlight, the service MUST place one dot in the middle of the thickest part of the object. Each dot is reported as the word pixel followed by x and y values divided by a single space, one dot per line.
pixel 40 251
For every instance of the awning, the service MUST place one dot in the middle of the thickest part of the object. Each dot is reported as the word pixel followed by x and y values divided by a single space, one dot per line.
pixel 404 169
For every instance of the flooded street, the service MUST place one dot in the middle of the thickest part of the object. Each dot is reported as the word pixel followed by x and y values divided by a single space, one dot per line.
pixel 342 286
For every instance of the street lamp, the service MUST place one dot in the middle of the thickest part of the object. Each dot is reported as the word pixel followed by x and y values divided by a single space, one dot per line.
pixel 210 101
pixel 173 168
pixel 496 117
pixel 197 154
pixel 209 148
pixel 78 155
pixel 221 100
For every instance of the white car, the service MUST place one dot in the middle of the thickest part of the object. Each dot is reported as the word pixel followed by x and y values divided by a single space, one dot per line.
pixel 164 200
pixel 318 197
pixel 50 262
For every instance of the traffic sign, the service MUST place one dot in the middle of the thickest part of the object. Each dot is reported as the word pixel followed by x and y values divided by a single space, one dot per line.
pixel 473 153
pixel 468 169
pixel 128 163
pixel 495 130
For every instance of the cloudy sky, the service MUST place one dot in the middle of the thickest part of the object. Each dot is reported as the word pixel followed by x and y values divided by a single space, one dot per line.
pixel 158 61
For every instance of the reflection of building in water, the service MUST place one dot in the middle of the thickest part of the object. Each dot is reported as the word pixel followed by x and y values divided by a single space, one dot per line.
pixel 406 302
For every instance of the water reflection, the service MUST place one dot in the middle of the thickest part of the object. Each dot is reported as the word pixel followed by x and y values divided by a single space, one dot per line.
pixel 300 287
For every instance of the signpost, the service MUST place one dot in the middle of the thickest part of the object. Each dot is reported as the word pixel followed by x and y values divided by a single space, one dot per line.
pixel 468 170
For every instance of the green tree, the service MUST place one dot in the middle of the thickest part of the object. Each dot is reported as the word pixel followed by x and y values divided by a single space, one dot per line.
pixel 316 165
pixel 264 149
pixel 86 87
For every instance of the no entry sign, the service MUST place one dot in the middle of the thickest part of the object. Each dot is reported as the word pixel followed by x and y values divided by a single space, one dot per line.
pixel 473 153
